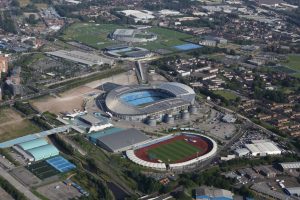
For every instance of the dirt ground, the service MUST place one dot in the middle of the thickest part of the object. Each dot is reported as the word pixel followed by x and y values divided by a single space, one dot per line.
pixel 74 98
pixel 13 125
pixel 7 115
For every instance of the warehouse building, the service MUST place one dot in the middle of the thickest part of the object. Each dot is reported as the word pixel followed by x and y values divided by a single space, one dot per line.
pixel 295 191
pixel 122 140
pixel 262 148
pixel 37 149
pixel 95 123
pixel 241 152
pixel 289 166
pixel 80 57
pixel 207 193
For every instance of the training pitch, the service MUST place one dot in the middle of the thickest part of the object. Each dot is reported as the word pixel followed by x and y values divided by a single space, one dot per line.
pixel 96 35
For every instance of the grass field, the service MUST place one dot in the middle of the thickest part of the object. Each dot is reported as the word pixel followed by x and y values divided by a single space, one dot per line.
pixel 226 94
pixel 167 39
pixel 95 35
pixel 92 34
pixel 173 151
pixel 293 64
pixel 43 170
pixel 12 125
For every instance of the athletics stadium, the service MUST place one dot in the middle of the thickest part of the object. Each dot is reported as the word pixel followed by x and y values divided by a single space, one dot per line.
pixel 174 152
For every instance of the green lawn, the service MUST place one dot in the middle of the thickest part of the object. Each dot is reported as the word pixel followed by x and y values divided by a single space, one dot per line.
pixel 226 94
pixel 91 34
pixel 294 64
pixel 95 35
pixel 174 151
pixel 18 129
pixel 167 39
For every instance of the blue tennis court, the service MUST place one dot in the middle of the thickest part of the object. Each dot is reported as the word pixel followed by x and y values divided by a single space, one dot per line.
pixel 187 46
pixel 60 164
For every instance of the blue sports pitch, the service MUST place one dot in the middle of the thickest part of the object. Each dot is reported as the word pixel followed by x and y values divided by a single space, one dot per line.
pixel 187 46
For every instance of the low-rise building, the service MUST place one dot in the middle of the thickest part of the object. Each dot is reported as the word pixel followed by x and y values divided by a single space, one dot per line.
pixel 208 193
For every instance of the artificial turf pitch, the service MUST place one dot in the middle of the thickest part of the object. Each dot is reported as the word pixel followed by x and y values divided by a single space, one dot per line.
pixel 43 170
pixel 174 151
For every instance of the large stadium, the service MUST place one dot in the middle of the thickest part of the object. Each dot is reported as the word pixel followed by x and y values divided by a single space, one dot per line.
pixel 173 152
pixel 166 101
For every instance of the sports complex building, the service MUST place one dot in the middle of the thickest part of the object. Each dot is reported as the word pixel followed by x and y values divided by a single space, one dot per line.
pixel 133 35
pixel 174 152
pixel 116 140
pixel 162 102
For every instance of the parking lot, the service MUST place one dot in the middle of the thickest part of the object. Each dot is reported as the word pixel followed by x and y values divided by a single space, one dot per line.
pixel 25 176
pixel 59 191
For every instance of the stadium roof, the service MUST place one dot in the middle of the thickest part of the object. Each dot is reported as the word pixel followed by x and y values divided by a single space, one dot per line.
pixel 290 165
pixel 81 57
pixel 183 95
pixel 43 152
pixel 124 32
pixel 122 140
pixel 33 144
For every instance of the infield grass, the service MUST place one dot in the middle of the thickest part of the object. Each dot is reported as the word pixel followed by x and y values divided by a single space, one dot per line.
pixel 174 151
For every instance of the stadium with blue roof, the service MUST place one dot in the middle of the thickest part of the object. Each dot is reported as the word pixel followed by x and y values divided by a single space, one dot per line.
pixel 140 102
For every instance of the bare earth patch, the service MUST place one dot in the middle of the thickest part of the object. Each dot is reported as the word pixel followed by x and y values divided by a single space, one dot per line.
pixel 74 98
pixel 13 125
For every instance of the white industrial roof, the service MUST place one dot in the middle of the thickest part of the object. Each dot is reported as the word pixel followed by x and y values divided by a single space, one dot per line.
pixel 144 14
pixel 263 148
pixel 81 57
pixel 242 151
pixel 290 165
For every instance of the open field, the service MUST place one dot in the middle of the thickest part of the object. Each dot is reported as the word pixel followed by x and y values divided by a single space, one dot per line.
pixel 164 40
pixel 173 152
pixel 293 64
pixel 12 125
pixel 92 34
pixel 8 114
pixel 65 102
pixel 74 98
pixel 226 94
pixel 95 35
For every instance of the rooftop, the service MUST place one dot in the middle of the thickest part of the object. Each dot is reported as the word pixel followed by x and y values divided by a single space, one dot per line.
pixel 123 139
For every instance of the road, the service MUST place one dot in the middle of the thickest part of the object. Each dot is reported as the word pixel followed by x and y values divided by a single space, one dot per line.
pixel 17 185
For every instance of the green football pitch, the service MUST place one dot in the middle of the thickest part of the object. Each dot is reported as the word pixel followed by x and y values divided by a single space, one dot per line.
pixel 172 152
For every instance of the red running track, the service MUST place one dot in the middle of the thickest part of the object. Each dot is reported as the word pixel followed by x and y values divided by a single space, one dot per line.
pixel 200 142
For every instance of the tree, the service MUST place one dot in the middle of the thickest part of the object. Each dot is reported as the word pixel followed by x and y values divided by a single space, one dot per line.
pixel 31 19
